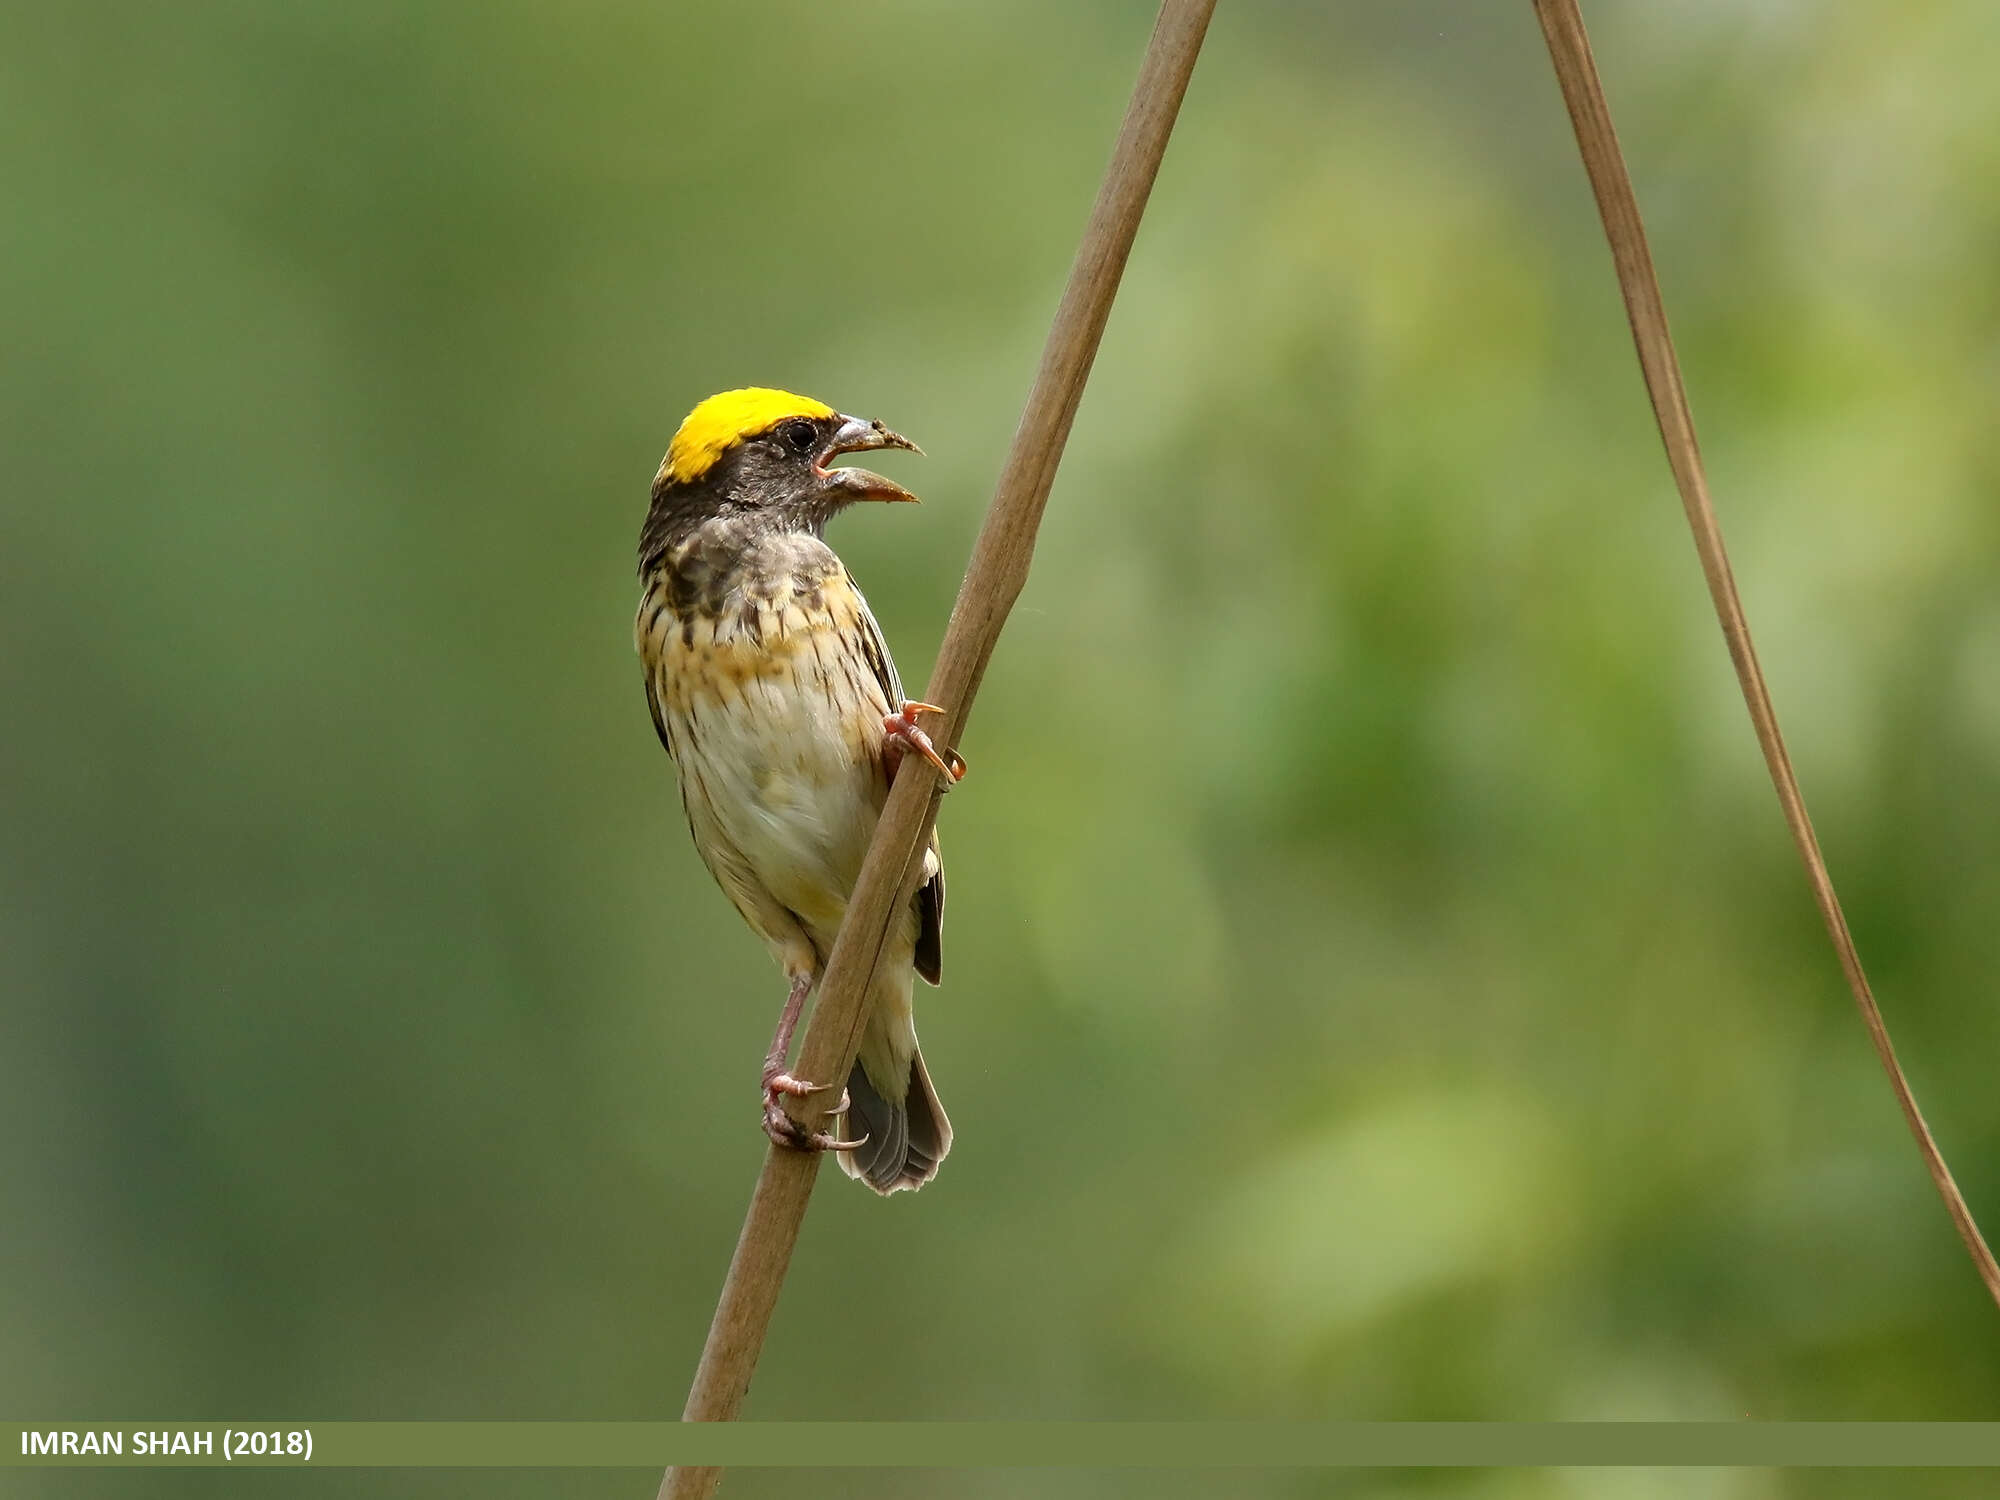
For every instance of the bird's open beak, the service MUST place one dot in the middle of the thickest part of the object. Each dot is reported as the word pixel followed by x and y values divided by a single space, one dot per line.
pixel 858 435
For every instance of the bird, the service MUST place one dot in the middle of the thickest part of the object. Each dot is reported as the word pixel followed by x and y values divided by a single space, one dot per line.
pixel 773 691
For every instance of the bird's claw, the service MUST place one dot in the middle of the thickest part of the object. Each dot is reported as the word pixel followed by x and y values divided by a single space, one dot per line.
pixel 782 1082
pixel 780 1127
pixel 785 1131
pixel 903 733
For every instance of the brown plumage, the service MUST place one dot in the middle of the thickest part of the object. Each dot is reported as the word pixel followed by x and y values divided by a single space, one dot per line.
pixel 772 689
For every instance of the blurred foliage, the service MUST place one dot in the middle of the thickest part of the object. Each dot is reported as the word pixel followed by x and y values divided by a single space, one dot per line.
pixel 1378 983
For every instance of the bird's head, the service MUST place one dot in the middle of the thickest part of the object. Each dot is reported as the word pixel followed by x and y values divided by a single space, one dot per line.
pixel 772 452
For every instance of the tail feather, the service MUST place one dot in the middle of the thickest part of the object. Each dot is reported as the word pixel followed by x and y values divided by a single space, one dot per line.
pixel 907 1137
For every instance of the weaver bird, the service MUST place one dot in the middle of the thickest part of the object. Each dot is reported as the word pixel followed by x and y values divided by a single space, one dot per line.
pixel 773 691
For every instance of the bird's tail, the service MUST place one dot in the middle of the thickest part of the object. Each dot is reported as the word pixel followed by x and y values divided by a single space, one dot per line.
pixel 908 1134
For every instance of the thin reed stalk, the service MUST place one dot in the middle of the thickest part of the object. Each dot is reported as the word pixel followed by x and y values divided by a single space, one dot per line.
pixel 993 581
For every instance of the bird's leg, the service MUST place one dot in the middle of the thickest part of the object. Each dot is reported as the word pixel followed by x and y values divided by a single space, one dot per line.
pixel 903 736
pixel 776 1079
pixel 778 1125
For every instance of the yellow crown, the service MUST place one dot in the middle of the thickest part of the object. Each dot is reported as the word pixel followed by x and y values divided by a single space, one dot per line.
pixel 723 421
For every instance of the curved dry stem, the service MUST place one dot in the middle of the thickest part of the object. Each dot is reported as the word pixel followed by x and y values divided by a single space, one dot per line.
pixel 1576 71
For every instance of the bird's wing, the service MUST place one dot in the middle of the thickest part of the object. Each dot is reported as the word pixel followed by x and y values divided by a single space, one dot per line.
pixel 659 718
pixel 930 895
pixel 930 916
pixel 877 651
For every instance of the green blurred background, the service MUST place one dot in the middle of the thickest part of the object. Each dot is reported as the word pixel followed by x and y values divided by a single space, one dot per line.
pixel 1378 982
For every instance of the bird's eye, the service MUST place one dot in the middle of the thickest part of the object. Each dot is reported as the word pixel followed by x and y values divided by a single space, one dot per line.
pixel 800 433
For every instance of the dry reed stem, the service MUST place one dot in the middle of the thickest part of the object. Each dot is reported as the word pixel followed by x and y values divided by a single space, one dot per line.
pixel 1576 71
pixel 993 581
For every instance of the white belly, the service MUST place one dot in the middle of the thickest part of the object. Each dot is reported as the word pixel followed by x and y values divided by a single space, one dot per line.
pixel 774 773
pixel 777 736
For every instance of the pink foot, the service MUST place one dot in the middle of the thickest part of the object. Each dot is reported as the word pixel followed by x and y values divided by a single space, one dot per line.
pixel 785 1131
pixel 904 737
